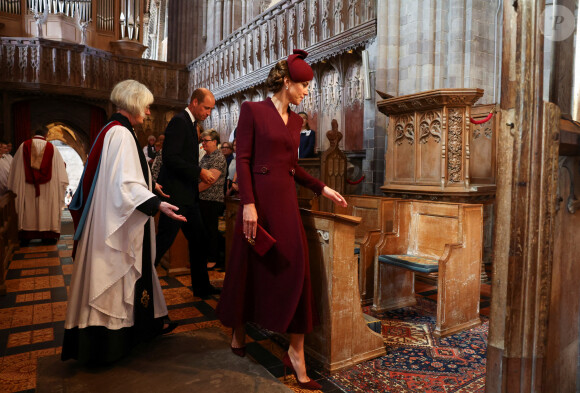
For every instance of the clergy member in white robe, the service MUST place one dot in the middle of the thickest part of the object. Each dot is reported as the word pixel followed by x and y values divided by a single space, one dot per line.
pixel 5 161
pixel 38 178
pixel 115 297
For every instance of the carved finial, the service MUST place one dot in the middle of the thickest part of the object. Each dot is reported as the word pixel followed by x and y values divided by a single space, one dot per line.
pixel 40 19
pixel 334 136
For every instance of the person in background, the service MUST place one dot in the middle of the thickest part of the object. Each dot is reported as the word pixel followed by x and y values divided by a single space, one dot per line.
pixel 232 179
pixel 4 167
pixel 8 153
pixel 158 161
pixel 149 150
pixel 273 290
pixel 307 138
pixel 211 197
pixel 38 178
pixel 228 152
pixel 115 299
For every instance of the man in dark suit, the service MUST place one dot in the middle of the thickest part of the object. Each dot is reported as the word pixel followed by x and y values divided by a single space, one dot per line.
pixel 180 175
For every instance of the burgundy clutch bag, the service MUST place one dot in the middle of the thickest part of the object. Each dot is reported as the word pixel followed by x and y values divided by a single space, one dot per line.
pixel 263 241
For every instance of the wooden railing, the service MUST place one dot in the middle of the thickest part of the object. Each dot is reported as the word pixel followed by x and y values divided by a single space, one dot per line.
pixel 244 58
pixel 36 63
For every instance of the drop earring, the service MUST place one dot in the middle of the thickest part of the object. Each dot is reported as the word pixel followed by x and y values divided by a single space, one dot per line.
pixel 286 87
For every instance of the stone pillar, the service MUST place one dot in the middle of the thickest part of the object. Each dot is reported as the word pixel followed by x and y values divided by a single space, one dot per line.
pixel 375 123
pixel 237 9
pixel 227 18
pixel 562 77
pixel 244 12
pixel 218 21
pixel 210 43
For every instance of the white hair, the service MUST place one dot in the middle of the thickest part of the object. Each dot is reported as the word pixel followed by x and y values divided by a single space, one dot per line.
pixel 131 96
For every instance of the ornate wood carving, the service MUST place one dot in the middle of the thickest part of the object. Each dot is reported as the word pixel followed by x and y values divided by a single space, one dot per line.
pixel 428 153
pixel 333 165
pixel 454 146
pixel 39 64
pixel 572 203
pixel 430 125
pixel 404 129
pixel 266 39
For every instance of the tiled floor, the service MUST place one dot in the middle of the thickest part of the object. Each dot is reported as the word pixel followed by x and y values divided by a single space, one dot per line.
pixel 33 311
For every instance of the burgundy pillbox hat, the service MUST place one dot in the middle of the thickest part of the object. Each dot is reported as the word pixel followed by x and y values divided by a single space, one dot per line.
pixel 298 69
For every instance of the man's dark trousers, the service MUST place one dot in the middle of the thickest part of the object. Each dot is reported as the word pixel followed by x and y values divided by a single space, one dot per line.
pixel 195 234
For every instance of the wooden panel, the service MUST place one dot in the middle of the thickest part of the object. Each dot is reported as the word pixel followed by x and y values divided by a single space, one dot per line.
pixel 483 145
pixel 563 342
pixel 428 157
pixel 377 215
pixel 437 209
pixel 342 339
pixel 405 163
pixel 451 233
pixel 431 234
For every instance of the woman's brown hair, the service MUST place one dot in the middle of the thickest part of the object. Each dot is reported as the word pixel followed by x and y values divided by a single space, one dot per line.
pixel 275 80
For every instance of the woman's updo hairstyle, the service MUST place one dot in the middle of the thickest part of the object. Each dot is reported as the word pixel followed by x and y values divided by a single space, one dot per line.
pixel 275 80
pixel 295 68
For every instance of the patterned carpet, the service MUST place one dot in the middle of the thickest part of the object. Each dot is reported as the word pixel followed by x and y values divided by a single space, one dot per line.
pixel 416 361
pixel 32 319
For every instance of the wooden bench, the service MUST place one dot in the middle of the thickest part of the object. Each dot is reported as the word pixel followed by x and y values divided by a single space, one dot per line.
pixel 377 215
pixel 429 237
pixel 8 235
pixel 343 338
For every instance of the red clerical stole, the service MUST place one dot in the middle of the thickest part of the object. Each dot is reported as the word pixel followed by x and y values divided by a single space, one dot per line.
pixel 42 175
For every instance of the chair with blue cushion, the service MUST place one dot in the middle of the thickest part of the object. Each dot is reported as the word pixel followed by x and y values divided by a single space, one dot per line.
pixel 439 238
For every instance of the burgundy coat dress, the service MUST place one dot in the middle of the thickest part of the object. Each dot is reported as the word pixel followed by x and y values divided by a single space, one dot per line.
pixel 274 290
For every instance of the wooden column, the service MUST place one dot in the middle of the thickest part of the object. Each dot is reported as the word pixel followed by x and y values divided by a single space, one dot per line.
pixel 525 210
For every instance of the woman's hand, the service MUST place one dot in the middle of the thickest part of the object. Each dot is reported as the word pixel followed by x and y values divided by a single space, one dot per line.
pixel 250 222
pixel 169 211
pixel 334 196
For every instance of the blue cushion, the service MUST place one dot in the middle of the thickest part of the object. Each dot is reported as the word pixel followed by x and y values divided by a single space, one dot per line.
pixel 411 262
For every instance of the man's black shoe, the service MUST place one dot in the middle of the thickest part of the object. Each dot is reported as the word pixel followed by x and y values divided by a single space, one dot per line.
pixel 169 325
pixel 208 292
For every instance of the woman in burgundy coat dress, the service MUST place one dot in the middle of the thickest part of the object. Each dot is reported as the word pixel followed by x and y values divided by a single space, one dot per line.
pixel 273 290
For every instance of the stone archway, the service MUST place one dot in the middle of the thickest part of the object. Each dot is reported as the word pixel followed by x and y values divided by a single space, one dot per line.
pixel 69 136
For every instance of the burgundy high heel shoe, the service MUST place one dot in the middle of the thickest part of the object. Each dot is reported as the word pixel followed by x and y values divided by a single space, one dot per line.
pixel 310 385
pixel 241 352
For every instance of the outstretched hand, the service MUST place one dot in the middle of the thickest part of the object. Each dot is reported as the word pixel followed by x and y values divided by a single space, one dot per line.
pixel 334 196
pixel 159 191
pixel 169 211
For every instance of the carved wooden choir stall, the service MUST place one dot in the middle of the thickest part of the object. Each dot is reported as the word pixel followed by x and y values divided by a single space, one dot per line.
pixel 433 237
pixel 377 215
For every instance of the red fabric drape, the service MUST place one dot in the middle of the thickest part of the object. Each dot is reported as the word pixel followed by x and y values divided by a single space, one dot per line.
pixel 21 122
pixel 42 175
pixel 97 122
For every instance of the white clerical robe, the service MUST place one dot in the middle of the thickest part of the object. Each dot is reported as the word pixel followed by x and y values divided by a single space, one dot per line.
pixel 4 171
pixel 109 259
pixel 40 213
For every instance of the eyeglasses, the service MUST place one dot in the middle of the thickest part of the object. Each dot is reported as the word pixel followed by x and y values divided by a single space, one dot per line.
pixel 206 140
pixel 226 147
